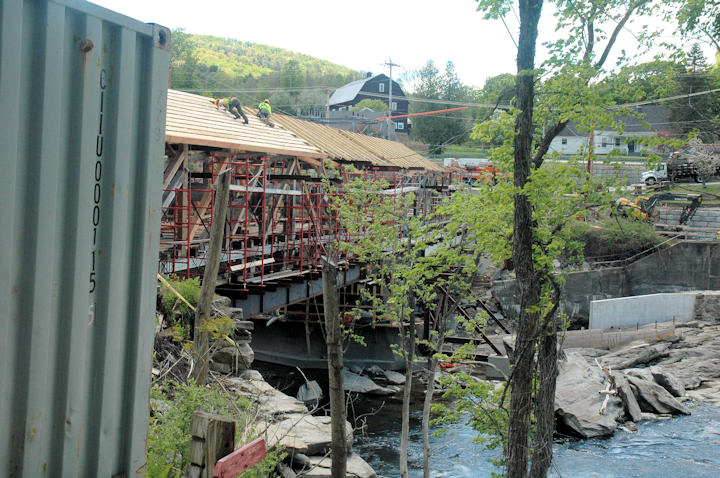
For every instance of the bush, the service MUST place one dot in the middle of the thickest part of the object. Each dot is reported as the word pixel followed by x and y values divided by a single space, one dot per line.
pixel 169 434
pixel 189 289
pixel 620 237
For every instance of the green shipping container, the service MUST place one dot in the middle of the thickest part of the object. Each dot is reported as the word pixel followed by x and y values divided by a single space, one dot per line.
pixel 82 126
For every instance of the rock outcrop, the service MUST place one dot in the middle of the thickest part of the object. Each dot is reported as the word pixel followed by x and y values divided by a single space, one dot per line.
pixel 578 401
pixel 359 384
pixel 653 398
pixel 319 467
pixel 306 434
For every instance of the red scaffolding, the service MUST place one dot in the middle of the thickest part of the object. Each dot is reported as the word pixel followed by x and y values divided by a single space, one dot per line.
pixel 279 221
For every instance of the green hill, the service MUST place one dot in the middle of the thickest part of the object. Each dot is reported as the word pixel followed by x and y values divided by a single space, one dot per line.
pixel 220 66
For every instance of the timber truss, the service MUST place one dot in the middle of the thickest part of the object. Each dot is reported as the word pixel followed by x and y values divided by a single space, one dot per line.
pixel 278 224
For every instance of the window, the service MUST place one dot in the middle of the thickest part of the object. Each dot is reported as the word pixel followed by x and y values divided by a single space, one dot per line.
pixel 381 87
pixel 618 141
pixel 399 125
pixel 394 106
pixel 564 141
pixel 604 142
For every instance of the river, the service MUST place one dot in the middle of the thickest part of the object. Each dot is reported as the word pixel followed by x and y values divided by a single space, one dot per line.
pixel 687 446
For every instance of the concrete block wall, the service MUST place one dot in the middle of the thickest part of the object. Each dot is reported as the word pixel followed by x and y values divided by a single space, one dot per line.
pixel 628 172
pixel 641 310
pixel 704 218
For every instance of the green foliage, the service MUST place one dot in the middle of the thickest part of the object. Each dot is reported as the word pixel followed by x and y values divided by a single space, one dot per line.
pixel 696 18
pixel 169 434
pixel 477 403
pixel 223 66
pixel 619 237
pixel 375 105
pixel 188 288
pixel 440 130
pixel 697 113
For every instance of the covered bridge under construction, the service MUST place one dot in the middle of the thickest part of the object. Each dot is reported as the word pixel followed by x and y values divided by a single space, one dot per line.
pixel 278 221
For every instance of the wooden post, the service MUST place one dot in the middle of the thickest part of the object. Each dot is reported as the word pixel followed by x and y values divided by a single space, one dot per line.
pixel 213 437
pixel 212 264
pixel 335 369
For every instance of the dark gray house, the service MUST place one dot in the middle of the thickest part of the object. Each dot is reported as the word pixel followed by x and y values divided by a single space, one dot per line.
pixel 375 88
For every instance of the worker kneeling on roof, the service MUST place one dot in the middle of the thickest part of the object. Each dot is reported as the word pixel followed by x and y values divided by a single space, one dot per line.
pixel 232 105
pixel 264 109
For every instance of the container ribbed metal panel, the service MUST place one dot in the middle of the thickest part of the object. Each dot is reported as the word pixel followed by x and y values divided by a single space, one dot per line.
pixel 82 121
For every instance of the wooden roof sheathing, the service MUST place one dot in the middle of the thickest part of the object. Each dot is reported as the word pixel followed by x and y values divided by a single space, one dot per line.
pixel 330 140
pixel 193 119
pixel 394 152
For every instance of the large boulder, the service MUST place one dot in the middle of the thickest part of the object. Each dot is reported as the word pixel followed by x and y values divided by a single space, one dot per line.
pixel 304 434
pixel 396 378
pixel 310 393
pixel 652 398
pixel 668 381
pixel 578 401
pixel 635 355
pixel 358 384
pixel 356 467
pixel 269 401
pixel 632 407
pixel 229 359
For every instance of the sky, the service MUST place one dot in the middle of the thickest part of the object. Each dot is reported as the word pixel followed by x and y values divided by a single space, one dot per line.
pixel 361 35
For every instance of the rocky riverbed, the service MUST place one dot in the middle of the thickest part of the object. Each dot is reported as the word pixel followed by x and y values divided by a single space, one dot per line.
pixel 598 390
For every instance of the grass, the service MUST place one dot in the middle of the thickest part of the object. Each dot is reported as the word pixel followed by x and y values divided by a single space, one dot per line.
pixel 711 192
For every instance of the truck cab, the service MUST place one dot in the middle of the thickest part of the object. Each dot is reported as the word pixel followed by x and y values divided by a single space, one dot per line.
pixel 656 175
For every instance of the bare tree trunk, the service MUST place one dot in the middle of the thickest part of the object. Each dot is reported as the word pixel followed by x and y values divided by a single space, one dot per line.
pixel 409 359
pixel 522 377
pixel 432 366
pixel 212 264
pixel 335 370
pixel 545 399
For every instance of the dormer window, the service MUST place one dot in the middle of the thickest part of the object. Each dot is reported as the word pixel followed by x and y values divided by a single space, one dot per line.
pixel 381 87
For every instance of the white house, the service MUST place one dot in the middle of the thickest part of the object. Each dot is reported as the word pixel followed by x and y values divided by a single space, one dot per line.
pixel 653 120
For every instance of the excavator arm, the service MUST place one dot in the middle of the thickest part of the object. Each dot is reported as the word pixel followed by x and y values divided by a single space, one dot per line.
pixel 644 205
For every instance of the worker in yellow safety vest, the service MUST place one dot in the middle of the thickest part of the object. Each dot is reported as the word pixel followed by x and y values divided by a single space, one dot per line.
pixel 232 105
pixel 264 110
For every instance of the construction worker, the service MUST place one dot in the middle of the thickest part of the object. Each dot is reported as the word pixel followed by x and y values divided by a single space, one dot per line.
pixel 264 110
pixel 232 105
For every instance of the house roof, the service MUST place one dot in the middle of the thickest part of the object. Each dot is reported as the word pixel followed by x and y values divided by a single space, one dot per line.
pixel 653 118
pixel 350 91
pixel 193 119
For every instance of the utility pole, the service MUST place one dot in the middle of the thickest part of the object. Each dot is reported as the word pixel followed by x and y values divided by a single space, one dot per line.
pixel 389 121
pixel 327 106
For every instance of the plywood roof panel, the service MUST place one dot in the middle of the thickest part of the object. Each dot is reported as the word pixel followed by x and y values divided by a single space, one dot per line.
pixel 331 141
pixel 394 152
pixel 193 119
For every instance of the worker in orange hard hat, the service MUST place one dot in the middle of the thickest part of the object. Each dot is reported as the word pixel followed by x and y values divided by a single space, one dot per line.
pixel 232 105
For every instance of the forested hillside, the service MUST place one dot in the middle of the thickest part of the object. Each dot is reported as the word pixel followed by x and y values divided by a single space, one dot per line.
pixel 221 66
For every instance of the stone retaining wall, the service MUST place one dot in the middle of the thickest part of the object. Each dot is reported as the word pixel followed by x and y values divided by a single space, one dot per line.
pixel 629 173
pixel 707 306
pixel 686 266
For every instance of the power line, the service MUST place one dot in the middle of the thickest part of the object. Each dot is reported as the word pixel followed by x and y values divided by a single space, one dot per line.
pixel 669 98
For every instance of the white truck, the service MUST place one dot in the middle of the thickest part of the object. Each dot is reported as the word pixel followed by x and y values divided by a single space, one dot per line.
pixel 655 176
